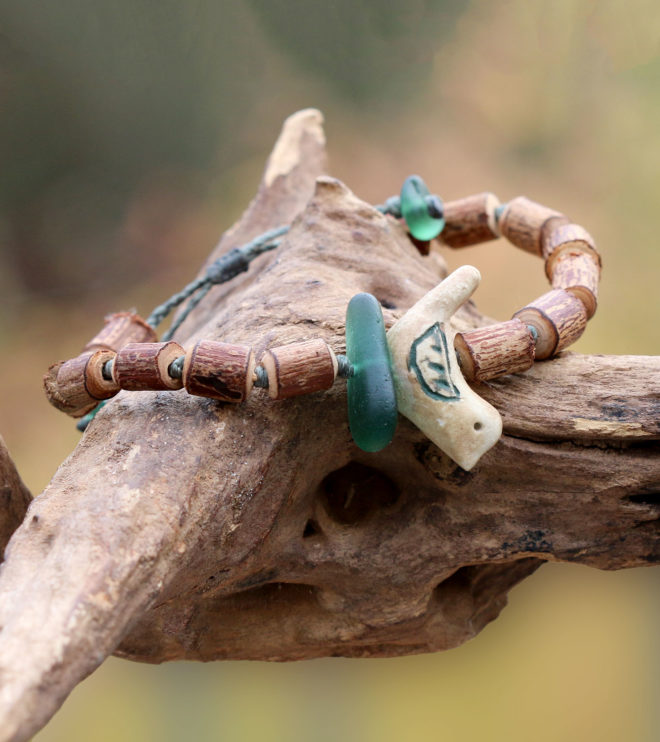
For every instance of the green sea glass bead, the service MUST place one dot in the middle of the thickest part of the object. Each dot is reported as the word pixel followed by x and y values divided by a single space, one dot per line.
pixel 423 223
pixel 372 411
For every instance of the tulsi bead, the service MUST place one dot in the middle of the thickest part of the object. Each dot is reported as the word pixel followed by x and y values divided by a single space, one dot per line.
pixel 372 410
pixel 415 210
pixel 119 330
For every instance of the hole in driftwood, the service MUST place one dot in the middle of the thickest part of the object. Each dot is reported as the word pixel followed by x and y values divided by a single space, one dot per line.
pixel 354 491
pixel 459 581
pixel 646 498
pixel 311 529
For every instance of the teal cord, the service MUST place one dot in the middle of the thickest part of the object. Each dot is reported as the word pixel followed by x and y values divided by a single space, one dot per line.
pixel 85 420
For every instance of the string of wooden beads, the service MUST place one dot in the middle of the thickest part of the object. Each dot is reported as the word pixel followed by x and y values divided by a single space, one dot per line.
pixel 222 371
pixel 78 385
pixel 125 354
pixel 548 324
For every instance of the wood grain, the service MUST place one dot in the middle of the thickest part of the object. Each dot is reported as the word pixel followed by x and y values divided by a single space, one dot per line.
pixel 119 330
pixel 559 318
pixel 144 366
pixel 222 371
pixel 495 350
pixel 470 220
pixel 526 223
pixel 579 274
pixel 299 368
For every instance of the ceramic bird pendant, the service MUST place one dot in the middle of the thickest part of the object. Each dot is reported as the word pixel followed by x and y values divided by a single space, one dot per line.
pixel 430 389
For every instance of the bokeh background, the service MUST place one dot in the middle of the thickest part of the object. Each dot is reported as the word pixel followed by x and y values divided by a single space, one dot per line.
pixel 133 132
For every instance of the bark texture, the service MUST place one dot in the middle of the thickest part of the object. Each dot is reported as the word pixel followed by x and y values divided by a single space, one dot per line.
pixel 182 527
pixel 14 497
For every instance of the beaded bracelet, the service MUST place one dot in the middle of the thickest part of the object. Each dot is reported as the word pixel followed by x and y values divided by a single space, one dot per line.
pixel 419 368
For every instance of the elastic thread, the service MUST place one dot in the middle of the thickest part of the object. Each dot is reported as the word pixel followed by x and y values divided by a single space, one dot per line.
pixel 261 377
pixel 175 369
pixel 344 367
pixel 106 370
pixel 223 269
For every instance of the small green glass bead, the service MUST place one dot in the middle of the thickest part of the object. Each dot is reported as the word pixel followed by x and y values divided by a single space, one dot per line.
pixel 415 209
pixel 372 410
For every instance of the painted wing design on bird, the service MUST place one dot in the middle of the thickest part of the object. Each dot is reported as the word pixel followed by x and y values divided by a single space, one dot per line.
pixel 431 361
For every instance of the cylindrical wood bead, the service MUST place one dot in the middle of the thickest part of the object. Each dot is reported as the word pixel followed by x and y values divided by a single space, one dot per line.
pixel 559 319
pixel 525 223
pixel 471 220
pixel 121 329
pixel 97 385
pixel 52 391
pixel 76 386
pixel 219 370
pixel 489 352
pixel 567 238
pixel 578 273
pixel 300 368
pixel 144 366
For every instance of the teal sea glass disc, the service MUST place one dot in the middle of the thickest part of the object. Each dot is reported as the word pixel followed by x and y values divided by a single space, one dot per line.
pixel 415 210
pixel 372 410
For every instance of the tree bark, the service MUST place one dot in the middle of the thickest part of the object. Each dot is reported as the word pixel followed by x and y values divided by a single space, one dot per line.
pixel 182 527
pixel 14 497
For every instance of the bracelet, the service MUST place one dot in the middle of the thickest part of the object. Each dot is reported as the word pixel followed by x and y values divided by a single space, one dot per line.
pixel 420 367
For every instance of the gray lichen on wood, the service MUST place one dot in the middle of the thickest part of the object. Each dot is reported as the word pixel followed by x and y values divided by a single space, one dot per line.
pixel 184 528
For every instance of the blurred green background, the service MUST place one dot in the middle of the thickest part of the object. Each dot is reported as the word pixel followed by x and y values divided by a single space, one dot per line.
pixel 132 133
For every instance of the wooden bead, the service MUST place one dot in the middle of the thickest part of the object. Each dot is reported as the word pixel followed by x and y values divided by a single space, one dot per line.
pixel 98 386
pixel 121 329
pixel 568 238
pixel 578 273
pixel 559 319
pixel 77 386
pixel 471 220
pixel 300 368
pixel 52 391
pixel 219 370
pixel 71 386
pixel 430 389
pixel 144 366
pixel 489 352
pixel 525 223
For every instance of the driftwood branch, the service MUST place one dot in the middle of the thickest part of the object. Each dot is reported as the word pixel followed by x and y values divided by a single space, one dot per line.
pixel 182 528
pixel 14 497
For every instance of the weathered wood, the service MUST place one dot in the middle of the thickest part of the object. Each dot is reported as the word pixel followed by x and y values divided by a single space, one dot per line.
pixel 607 401
pixel 14 497
pixel 299 368
pixel 185 528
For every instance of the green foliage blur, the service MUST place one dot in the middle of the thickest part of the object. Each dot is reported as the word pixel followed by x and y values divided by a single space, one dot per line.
pixel 133 133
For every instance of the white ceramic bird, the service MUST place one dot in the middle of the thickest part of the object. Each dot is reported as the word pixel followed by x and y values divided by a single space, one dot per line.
pixel 430 389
